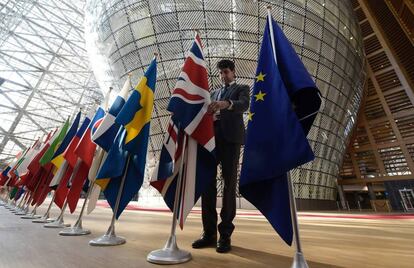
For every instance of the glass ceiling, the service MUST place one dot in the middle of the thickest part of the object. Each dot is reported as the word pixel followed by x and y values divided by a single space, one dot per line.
pixel 45 76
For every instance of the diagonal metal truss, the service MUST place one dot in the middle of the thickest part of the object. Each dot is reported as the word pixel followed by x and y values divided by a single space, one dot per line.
pixel 45 76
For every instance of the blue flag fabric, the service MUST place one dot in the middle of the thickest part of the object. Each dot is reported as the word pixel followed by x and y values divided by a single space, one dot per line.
pixel 115 166
pixel 69 136
pixel 131 141
pixel 275 141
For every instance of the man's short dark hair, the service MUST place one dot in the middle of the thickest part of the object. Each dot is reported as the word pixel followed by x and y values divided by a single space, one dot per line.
pixel 223 64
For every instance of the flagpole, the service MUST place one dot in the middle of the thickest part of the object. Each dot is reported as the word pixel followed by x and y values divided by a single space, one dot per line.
pixel 18 207
pixel 110 238
pixel 171 254
pixel 8 204
pixel 26 210
pixel 32 215
pixel 25 207
pixel 45 217
pixel 77 229
pixel 59 222
pixel 299 260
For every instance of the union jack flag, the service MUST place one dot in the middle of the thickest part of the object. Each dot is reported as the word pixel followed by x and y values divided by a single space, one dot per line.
pixel 188 103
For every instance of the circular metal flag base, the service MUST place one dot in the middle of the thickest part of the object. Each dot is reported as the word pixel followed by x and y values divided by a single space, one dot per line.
pixel 56 224
pixel 107 240
pixel 74 231
pixel 20 213
pixel 299 261
pixel 168 256
pixel 31 217
pixel 43 220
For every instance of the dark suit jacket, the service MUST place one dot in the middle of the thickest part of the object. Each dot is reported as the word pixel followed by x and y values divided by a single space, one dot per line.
pixel 231 121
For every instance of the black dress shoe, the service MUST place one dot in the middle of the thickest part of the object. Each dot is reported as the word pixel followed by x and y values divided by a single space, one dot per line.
pixel 223 245
pixel 205 241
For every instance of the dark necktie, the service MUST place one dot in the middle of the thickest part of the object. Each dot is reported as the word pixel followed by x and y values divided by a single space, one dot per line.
pixel 223 92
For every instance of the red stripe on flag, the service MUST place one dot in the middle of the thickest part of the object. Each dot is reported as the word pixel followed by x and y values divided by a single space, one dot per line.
pixel 196 73
pixel 69 154
pixel 188 96
pixel 77 184
pixel 204 132
pixel 62 189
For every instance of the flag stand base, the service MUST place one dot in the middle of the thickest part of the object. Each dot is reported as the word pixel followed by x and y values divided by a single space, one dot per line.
pixel 76 230
pixel 299 261
pixel 44 220
pixel 108 239
pixel 22 212
pixel 170 254
pixel 31 217
pixel 56 224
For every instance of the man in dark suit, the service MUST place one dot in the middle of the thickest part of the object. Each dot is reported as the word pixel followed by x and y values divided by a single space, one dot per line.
pixel 228 104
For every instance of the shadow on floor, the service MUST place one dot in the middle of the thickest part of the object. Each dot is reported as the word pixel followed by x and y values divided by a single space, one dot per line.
pixel 271 260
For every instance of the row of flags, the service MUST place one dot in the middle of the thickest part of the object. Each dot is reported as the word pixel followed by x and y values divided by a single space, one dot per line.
pixel 109 147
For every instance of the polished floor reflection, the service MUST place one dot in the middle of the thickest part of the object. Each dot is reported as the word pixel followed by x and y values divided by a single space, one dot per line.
pixel 328 241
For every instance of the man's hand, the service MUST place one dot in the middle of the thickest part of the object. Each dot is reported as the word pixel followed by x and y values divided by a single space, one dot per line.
pixel 218 105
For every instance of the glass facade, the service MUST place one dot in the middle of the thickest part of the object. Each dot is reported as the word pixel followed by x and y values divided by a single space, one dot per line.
pixel 122 36
pixel 44 70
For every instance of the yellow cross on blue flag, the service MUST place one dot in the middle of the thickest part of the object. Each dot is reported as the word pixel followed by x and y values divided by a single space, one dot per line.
pixel 275 140
pixel 131 142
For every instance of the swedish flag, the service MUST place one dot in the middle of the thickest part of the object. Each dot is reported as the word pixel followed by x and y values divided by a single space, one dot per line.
pixel 136 114
pixel 131 142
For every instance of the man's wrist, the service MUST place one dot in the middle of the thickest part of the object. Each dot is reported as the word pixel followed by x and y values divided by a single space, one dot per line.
pixel 230 106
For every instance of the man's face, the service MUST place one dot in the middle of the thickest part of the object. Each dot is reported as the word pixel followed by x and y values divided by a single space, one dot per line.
pixel 226 75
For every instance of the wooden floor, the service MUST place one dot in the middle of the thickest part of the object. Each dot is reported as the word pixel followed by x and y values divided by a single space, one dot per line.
pixel 327 242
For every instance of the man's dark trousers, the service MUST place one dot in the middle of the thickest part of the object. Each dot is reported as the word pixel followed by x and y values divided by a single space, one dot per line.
pixel 228 154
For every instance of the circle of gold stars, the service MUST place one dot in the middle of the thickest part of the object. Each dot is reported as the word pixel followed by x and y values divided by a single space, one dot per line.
pixel 259 96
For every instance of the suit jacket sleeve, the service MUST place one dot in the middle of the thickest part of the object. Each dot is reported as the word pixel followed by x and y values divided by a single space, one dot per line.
pixel 242 103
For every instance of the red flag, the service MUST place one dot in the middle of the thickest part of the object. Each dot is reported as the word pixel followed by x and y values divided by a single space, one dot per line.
pixel 62 190
pixel 42 182
pixel 85 151
pixel 77 184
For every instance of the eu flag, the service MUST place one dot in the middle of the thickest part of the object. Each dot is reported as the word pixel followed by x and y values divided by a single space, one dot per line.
pixel 131 141
pixel 275 141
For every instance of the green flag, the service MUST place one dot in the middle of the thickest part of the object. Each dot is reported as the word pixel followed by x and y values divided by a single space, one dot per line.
pixel 13 192
pixel 54 144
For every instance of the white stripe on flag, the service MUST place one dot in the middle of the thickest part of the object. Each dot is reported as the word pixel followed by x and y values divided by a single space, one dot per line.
pixel 107 122
pixel 190 179
pixel 192 88
pixel 59 174
pixel 93 198
pixel 96 190
pixel 196 59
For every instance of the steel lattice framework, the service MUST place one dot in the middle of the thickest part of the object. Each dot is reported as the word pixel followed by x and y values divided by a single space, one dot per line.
pixel 324 34
pixel 44 70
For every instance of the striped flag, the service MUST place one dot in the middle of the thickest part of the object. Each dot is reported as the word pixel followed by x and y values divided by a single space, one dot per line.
pixel 71 160
pixel 188 104
pixel 131 142
pixel 104 137
pixel 105 134
pixel 85 151
pixel 58 160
